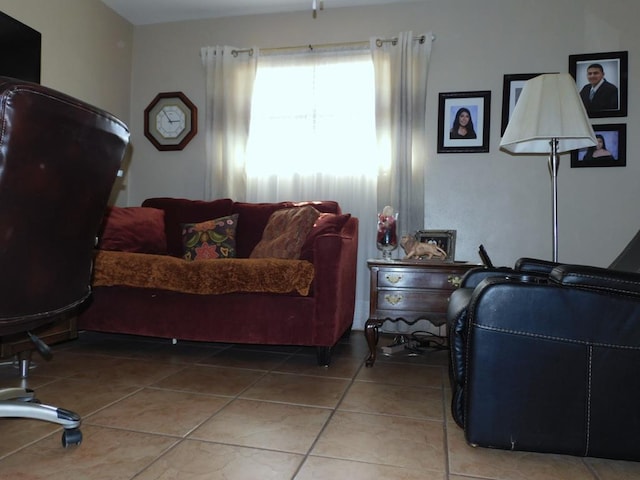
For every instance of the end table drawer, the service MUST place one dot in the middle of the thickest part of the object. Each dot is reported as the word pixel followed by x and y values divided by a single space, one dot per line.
pixel 417 301
pixel 408 279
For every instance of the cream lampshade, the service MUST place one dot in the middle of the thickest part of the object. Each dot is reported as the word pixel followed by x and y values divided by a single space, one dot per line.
pixel 549 117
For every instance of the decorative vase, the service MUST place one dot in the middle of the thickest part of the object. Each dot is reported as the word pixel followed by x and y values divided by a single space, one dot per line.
pixel 386 237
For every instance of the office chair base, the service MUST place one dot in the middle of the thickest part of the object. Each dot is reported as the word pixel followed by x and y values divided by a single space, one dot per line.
pixel 20 402
pixel 23 394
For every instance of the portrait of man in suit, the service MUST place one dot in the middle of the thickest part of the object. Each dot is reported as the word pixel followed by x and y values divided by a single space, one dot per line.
pixel 599 94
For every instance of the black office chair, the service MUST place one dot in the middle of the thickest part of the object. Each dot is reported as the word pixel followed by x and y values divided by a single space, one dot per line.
pixel 544 357
pixel 59 158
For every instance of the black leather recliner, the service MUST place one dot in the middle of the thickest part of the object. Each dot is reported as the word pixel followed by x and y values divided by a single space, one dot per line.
pixel 545 358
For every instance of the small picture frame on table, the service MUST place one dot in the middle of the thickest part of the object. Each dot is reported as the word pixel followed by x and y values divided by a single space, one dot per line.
pixel 464 122
pixel 608 73
pixel 611 150
pixel 445 239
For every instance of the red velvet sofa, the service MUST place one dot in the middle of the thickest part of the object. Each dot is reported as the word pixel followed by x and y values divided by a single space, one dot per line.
pixel 149 242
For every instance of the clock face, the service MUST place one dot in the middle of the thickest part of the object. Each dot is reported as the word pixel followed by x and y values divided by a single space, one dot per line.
pixel 170 121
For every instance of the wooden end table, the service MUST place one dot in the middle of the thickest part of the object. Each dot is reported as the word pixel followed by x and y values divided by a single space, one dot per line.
pixel 409 291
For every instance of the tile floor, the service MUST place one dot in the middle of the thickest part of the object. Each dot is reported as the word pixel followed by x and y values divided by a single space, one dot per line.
pixel 153 410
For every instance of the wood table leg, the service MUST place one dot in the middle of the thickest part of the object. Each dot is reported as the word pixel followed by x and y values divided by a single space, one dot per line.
pixel 371 334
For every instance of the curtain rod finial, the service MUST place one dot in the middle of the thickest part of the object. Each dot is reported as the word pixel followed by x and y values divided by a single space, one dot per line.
pixel 314 7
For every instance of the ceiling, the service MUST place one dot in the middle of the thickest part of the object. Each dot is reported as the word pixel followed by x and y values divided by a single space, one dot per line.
pixel 143 12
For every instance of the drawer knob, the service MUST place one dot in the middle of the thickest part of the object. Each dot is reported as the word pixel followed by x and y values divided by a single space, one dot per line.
pixel 454 280
pixel 393 278
pixel 393 298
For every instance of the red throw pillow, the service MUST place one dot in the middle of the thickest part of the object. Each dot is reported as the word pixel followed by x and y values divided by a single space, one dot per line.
pixel 326 223
pixel 133 229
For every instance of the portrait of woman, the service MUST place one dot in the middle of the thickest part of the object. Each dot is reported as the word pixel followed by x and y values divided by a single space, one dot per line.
pixel 462 125
pixel 599 151
pixel 610 149
pixel 464 121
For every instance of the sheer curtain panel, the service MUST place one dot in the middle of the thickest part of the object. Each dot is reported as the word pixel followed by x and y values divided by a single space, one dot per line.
pixel 401 68
pixel 344 123
pixel 313 137
pixel 230 75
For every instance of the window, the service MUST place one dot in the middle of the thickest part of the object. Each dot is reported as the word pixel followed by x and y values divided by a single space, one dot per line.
pixel 313 113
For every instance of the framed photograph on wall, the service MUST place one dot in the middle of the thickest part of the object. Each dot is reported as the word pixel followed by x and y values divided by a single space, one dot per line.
pixel 611 150
pixel 445 239
pixel 602 79
pixel 511 89
pixel 464 121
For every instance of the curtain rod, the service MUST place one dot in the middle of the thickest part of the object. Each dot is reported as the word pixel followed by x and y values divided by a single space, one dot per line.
pixel 379 43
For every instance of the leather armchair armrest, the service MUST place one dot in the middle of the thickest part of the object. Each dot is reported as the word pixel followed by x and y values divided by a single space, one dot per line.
pixel 473 277
pixel 476 275
pixel 594 278
pixel 526 264
pixel 534 266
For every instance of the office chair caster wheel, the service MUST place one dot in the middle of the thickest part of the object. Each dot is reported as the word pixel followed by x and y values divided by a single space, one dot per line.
pixel 73 436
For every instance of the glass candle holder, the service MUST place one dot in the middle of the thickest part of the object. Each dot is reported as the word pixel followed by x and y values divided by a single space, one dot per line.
pixel 386 236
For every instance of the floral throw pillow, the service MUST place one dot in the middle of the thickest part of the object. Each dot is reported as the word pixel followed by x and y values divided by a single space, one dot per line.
pixel 210 239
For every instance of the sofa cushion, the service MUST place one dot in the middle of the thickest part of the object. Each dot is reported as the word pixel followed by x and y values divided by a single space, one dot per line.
pixel 208 277
pixel 210 239
pixel 326 223
pixel 179 210
pixel 133 229
pixel 285 233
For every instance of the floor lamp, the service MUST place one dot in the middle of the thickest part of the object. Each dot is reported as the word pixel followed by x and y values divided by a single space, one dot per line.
pixel 549 117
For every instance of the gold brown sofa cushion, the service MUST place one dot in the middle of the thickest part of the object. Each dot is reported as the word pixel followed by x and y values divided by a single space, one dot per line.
pixel 219 276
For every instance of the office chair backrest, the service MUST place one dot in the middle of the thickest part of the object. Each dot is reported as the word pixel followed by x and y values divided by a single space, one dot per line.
pixel 59 158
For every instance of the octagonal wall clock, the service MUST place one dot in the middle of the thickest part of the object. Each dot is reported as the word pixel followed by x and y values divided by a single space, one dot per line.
pixel 170 121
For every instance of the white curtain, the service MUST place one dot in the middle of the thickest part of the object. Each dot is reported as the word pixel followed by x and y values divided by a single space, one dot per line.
pixel 325 157
pixel 230 75
pixel 401 68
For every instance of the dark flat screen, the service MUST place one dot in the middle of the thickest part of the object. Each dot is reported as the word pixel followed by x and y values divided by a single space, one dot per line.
pixel 21 50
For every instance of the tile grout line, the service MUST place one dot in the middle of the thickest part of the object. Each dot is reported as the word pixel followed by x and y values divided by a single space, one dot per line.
pixel 329 418
pixel 445 424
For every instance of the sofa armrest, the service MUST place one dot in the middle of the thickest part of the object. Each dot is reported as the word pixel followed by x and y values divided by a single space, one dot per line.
pixel 335 262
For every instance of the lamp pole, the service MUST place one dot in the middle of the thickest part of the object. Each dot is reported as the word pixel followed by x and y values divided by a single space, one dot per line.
pixel 554 163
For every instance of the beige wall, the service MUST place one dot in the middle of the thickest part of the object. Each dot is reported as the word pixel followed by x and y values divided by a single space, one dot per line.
pixel 86 49
pixel 501 201
pixel 86 53
pixel 495 199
